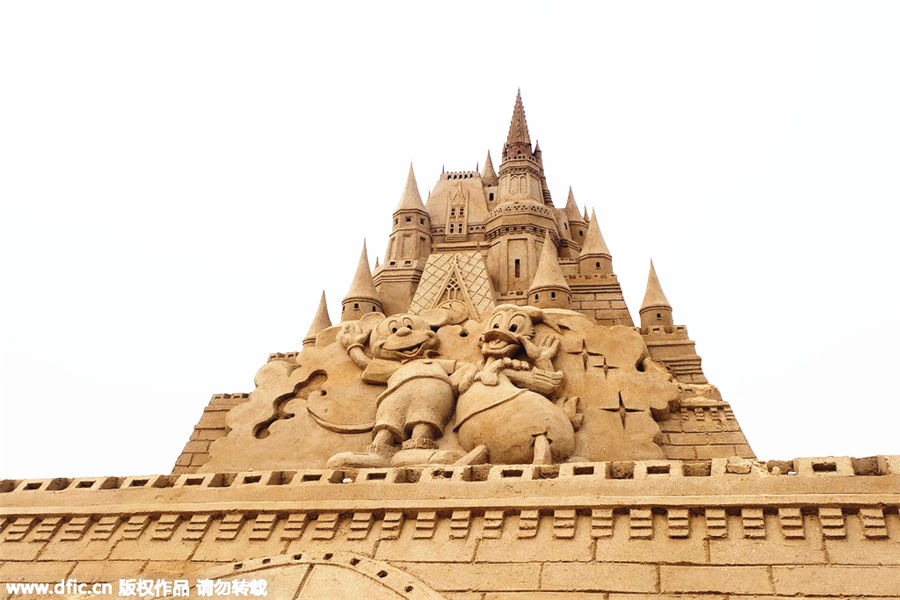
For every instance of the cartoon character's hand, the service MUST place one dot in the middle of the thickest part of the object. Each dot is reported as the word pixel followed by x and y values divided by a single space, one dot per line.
pixel 516 365
pixel 489 374
pixel 546 348
pixel 352 334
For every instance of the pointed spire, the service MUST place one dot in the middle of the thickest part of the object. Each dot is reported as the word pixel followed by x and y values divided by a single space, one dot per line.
pixel 586 219
pixel 518 127
pixel 594 244
pixel 489 176
pixel 363 287
pixel 376 265
pixel 654 296
pixel 572 208
pixel 549 275
pixel 320 323
pixel 411 200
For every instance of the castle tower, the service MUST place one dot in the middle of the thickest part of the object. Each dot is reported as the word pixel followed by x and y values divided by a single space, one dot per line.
pixel 549 288
pixel 571 228
pixel 655 309
pixel 577 224
pixel 594 258
pixel 488 175
pixel 521 172
pixel 521 217
pixel 668 343
pixel 319 323
pixel 362 298
pixel 408 249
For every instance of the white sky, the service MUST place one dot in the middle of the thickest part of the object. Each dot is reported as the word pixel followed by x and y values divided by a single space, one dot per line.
pixel 179 180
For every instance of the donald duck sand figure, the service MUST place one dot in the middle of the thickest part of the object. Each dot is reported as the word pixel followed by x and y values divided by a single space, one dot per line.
pixel 504 406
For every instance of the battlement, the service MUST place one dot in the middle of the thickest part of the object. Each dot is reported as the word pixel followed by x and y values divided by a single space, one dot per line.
pixel 451 175
pixel 606 471
pixel 664 332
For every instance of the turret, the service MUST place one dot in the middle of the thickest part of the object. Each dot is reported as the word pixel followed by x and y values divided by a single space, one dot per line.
pixel 594 258
pixel 655 309
pixel 523 215
pixel 577 224
pixel 320 323
pixel 362 298
pixel 521 174
pixel 411 231
pixel 408 250
pixel 488 175
pixel 549 288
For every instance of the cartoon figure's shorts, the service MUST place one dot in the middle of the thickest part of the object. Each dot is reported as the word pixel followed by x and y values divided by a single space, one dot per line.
pixel 420 400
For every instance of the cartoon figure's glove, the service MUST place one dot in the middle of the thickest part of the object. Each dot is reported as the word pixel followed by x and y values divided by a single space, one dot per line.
pixel 352 336
pixel 542 352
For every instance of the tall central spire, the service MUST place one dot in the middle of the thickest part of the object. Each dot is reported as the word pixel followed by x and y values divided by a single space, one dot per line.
pixel 518 142
pixel 518 127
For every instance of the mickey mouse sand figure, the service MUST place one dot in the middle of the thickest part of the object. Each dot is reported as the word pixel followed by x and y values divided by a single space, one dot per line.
pixel 504 406
pixel 420 395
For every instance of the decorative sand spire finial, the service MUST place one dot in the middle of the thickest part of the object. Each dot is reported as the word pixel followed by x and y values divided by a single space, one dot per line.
pixel 320 323
pixel 572 208
pixel 594 244
pixel 518 127
pixel 362 297
pixel 549 287
pixel 655 309
pixel 489 176
pixel 411 200
pixel 594 258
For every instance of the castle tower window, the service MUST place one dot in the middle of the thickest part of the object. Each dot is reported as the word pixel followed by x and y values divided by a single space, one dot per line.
pixel 581 233
pixel 408 219
pixel 552 295
pixel 452 212
pixel 518 269
pixel 658 316
pixel 462 212
pixel 597 264
pixel 356 306
pixel 491 196
pixel 421 221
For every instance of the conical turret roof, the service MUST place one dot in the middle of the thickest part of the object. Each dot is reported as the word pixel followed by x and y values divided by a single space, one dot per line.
pixel 586 219
pixel 654 296
pixel 594 245
pixel 363 287
pixel 549 275
pixel 572 208
pixel 518 127
pixel 411 200
pixel 489 175
pixel 320 322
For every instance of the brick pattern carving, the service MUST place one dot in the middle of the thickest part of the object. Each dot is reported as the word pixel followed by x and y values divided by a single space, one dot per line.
pixel 210 428
pixel 528 523
pixel 460 521
pixel 791 520
pixel 679 522
pixel 360 525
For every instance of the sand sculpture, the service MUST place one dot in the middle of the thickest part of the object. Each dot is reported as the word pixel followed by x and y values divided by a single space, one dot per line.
pixel 485 421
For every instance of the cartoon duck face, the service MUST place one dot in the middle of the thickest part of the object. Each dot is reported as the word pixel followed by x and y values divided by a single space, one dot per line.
pixel 403 337
pixel 508 326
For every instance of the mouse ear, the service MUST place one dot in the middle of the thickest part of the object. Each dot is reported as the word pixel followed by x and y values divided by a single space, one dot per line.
pixel 436 317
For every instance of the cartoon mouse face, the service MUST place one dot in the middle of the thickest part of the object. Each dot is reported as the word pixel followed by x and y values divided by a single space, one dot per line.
pixel 403 337
pixel 508 326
